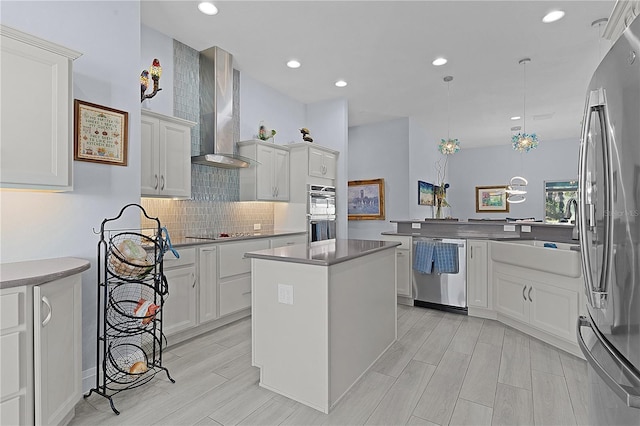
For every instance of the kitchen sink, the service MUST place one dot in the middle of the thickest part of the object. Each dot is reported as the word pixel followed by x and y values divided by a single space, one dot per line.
pixel 562 260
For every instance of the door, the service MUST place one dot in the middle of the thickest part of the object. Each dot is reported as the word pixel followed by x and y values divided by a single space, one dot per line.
pixel 175 160
pixel 57 314
pixel 150 155
pixel 281 174
pixel 179 309
pixel 265 189
pixel 477 276
pixel 553 309
pixel 208 280
pixel 610 197
pixel 511 296
pixel 316 163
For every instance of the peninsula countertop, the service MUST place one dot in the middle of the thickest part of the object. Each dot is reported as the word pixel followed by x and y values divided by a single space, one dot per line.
pixel 323 253
pixel 36 272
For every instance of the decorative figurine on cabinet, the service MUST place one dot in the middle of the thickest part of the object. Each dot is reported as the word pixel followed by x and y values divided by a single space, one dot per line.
pixel 305 135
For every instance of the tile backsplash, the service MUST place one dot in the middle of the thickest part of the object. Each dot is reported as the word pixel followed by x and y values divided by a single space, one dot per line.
pixel 214 206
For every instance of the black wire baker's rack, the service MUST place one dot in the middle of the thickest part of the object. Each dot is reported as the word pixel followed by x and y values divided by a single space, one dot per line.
pixel 131 292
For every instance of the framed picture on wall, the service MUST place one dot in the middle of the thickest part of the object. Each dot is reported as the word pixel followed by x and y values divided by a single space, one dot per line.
pixel 100 134
pixel 365 199
pixel 425 194
pixel 491 199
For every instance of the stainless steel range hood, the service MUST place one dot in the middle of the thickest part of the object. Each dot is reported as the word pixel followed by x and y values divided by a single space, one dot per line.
pixel 216 111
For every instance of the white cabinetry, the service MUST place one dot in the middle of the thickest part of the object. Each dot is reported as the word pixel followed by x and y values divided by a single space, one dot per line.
pixel 208 282
pixel 41 352
pixel 311 164
pixel 235 274
pixel 36 81
pixel 16 355
pixel 322 162
pixel 403 264
pixel 179 309
pixel 57 341
pixel 478 294
pixel 269 179
pixel 166 156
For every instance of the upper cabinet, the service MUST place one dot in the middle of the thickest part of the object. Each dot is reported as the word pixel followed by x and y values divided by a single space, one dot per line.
pixel 322 162
pixel 268 180
pixel 166 156
pixel 36 119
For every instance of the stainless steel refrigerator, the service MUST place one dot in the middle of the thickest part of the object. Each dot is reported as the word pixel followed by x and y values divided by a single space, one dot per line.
pixel 609 223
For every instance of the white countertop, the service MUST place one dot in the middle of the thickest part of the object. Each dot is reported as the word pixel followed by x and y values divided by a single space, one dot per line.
pixel 36 272
pixel 323 253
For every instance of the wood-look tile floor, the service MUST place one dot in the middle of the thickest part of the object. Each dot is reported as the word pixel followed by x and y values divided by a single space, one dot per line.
pixel 443 369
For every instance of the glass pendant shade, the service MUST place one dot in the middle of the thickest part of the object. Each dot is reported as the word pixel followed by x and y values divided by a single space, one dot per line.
pixel 517 190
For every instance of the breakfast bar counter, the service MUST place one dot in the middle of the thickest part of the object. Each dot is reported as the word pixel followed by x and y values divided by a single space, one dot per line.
pixel 322 314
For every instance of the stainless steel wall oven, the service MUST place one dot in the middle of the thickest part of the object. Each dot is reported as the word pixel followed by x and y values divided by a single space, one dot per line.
pixel 321 212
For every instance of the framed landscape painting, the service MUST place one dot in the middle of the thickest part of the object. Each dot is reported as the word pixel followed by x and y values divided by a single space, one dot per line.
pixel 491 199
pixel 425 194
pixel 365 199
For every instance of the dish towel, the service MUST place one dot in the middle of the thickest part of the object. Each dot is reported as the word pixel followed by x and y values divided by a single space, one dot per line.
pixel 423 257
pixel 445 258
pixel 322 230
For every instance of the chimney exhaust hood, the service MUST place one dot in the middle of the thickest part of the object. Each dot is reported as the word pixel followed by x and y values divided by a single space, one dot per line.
pixel 216 111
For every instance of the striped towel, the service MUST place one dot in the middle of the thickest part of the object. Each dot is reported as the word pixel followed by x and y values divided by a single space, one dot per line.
pixel 423 257
pixel 446 258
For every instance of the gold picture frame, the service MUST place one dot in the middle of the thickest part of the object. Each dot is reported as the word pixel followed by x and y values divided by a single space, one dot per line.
pixel 491 199
pixel 100 134
pixel 365 199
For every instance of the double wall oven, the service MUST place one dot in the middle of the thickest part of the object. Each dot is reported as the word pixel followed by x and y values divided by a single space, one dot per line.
pixel 321 212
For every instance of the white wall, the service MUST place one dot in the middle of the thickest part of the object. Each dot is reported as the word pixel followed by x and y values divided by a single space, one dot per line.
pixel 423 153
pixel 381 150
pixel 259 102
pixel 154 44
pixel 496 165
pixel 46 225
pixel 328 123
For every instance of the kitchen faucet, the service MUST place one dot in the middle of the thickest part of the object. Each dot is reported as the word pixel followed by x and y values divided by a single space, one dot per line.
pixel 567 215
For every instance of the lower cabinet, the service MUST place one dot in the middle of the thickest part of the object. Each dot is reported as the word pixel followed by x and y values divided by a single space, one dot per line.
pixel 478 294
pixel 404 275
pixel 179 309
pixel 208 283
pixel 549 308
pixel 234 274
pixel 41 352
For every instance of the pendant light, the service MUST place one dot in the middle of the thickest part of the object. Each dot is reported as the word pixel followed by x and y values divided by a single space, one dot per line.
pixel 522 142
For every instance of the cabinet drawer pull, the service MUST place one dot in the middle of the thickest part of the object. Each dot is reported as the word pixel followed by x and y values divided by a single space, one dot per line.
pixel 246 292
pixel 48 318
pixel 530 299
pixel 523 291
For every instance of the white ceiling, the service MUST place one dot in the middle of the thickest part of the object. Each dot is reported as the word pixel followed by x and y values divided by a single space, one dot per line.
pixel 384 49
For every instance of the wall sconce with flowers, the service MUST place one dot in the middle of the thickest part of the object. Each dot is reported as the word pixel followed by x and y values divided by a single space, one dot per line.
pixel 155 70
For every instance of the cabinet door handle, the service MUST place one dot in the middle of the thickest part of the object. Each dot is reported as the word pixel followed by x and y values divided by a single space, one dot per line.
pixel 162 179
pixel 523 291
pixel 48 318
pixel 472 252
pixel 194 280
pixel 156 186
pixel 530 299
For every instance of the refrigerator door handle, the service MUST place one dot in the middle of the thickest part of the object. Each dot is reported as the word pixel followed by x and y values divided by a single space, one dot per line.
pixel 630 395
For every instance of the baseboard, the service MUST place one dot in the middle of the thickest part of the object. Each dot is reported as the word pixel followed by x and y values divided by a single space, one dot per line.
pixel 88 379
pixel 403 300
pixel 482 313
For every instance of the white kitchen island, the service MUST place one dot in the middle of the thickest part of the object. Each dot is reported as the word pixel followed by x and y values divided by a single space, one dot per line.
pixel 322 314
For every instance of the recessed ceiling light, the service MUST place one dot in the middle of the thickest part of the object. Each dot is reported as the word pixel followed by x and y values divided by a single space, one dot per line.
pixel 293 64
pixel 516 117
pixel 553 16
pixel 341 83
pixel 439 61
pixel 207 8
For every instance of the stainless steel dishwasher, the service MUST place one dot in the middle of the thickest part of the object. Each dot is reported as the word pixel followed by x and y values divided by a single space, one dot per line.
pixel 446 291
